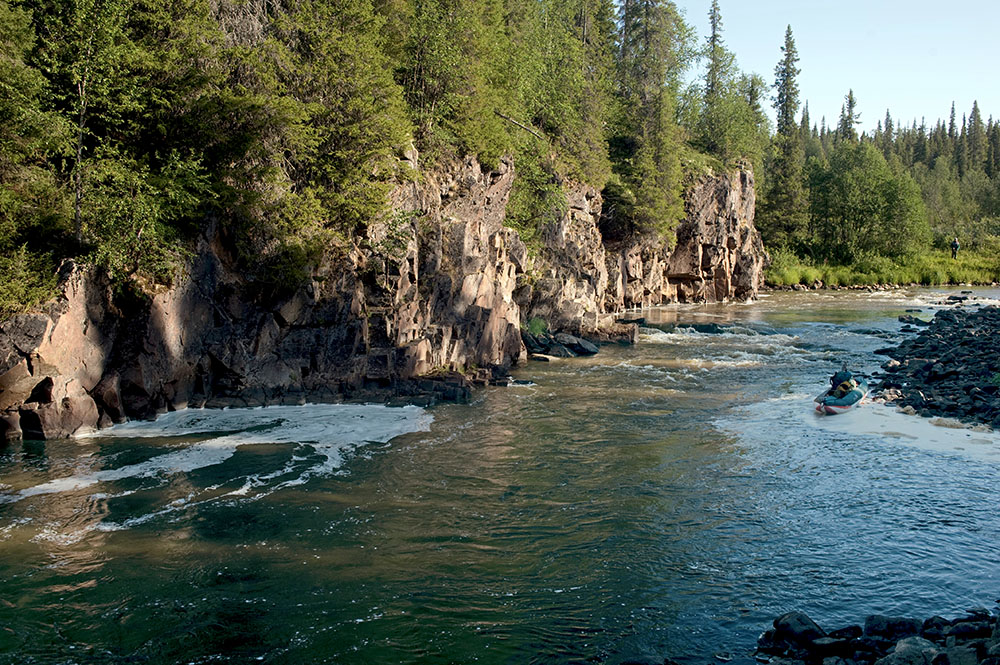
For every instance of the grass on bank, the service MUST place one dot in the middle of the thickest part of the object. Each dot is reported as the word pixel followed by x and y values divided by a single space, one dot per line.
pixel 929 269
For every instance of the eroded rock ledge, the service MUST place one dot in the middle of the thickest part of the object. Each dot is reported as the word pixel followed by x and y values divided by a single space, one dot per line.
pixel 430 303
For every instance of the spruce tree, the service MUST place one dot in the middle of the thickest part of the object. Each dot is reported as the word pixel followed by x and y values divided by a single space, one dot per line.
pixel 976 139
pixel 786 102
pixel 784 215
pixel 654 48
pixel 888 135
pixel 717 113
pixel 849 117
pixel 993 156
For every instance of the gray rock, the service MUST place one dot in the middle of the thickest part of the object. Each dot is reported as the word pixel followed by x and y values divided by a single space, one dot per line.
pixel 911 651
pixel 826 647
pixel 580 347
pixel 969 630
pixel 962 655
pixel 449 292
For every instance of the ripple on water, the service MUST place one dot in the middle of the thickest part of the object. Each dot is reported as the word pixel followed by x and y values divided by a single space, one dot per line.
pixel 662 500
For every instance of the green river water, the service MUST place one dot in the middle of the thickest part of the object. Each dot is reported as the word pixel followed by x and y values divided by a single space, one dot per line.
pixel 666 499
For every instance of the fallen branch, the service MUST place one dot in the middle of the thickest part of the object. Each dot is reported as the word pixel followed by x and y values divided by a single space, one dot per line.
pixel 524 127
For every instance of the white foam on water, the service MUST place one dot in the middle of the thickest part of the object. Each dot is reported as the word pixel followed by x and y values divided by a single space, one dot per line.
pixel 331 430
pixel 682 336
pixel 716 350
pixel 795 412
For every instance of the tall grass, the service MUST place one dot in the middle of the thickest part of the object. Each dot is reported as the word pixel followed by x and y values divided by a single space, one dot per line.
pixel 929 269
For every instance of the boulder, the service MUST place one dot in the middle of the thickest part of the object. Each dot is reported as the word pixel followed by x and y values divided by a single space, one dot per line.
pixel 962 655
pixel 58 420
pixel 797 628
pixel 934 628
pixel 848 632
pixel 891 628
pixel 911 651
pixel 827 647
pixel 580 347
pixel 10 426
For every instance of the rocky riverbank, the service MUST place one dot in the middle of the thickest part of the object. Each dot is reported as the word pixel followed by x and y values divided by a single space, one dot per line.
pixel 950 368
pixel 795 639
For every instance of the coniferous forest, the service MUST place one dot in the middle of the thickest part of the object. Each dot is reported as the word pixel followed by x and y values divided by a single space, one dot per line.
pixel 129 126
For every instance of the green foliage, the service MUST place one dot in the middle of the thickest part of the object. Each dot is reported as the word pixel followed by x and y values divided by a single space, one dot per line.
pixel 130 211
pixel 646 142
pixel 127 127
pixel 928 269
pixel 783 216
pixel 25 280
pixel 536 199
pixel 728 121
pixel 860 205
pixel 454 52
pixel 537 326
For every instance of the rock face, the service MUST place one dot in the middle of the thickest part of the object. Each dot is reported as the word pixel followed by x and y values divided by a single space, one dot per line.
pixel 581 284
pixel 428 304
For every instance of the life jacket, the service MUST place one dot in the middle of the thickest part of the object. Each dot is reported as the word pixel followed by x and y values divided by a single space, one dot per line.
pixel 845 387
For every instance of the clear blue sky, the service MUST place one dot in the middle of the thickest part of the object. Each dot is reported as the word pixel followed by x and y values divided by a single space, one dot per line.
pixel 913 58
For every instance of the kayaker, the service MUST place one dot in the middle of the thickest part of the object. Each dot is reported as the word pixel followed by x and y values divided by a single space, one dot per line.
pixel 842 383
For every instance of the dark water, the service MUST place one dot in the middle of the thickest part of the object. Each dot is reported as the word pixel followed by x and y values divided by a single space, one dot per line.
pixel 661 500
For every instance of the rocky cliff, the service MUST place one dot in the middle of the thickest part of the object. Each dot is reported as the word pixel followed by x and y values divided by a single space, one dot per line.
pixel 430 302
pixel 581 282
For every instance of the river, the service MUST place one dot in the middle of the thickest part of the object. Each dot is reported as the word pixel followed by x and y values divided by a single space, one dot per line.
pixel 666 499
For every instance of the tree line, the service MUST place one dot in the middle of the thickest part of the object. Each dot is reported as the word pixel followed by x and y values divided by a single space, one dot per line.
pixel 835 197
pixel 128 127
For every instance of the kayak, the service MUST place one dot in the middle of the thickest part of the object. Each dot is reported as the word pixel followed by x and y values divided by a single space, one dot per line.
pixel 828 403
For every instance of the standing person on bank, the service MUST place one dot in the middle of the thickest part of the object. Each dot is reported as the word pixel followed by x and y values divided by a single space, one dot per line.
pixel 954 248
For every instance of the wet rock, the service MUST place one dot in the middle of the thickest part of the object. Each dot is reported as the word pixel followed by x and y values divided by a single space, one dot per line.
pixel 826 647
pixel 934 628
pixel 949 368
pixel 962 655
pixel 847 632
pixel 968 630
pixel 891 628
pixel 580 347
pixel 560 351
pixel 69 416
pixel 911 651
pixel 971 640
pixel 797 628
pixel 107 395
pixel 10 426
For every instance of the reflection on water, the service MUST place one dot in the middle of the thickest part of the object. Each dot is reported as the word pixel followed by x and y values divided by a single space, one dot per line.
pixel 665 499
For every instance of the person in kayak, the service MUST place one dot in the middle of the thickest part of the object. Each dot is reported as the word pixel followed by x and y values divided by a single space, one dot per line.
pixel 842 383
